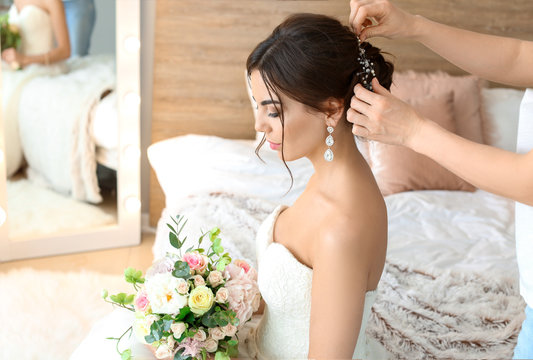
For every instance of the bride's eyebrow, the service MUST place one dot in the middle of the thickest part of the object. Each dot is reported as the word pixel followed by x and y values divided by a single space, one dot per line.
pixel 268 102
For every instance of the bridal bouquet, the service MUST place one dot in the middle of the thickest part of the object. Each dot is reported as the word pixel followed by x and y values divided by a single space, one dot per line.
pixel 190 305
pixel 9 33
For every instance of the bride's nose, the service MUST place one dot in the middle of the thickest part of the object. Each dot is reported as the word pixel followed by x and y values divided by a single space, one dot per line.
pixel 261 123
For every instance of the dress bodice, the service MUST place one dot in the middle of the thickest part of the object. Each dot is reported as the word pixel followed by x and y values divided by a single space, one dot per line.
pixel 35 26
pixel 283 331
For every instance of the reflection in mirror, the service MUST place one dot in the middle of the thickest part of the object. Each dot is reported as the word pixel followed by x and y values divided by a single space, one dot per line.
pixel 60 116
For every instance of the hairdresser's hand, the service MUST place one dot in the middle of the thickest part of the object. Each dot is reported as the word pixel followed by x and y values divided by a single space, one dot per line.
pixel 391 21
pixel 381 116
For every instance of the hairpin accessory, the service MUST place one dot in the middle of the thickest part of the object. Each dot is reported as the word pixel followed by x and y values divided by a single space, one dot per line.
pixel 328 155
pixel 368 72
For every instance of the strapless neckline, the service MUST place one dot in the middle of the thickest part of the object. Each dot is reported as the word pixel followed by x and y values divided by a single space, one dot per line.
pixel 18 12
pixel 275 214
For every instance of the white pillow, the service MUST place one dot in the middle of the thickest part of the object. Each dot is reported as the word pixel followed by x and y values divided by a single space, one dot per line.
pixel 501 107
pixel 195 164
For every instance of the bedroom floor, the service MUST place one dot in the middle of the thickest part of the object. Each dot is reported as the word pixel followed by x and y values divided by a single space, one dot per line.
pixel 111 261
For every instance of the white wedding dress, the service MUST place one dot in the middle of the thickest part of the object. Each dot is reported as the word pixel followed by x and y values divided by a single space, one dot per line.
pixel 37 37
pixel 282 332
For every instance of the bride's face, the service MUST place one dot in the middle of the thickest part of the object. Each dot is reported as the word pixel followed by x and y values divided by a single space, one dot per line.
pixel 304 128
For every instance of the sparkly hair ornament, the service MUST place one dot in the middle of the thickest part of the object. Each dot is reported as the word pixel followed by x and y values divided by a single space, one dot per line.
pixel 368 72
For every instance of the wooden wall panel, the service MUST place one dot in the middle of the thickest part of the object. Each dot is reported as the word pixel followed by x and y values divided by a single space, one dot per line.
pixel 201 48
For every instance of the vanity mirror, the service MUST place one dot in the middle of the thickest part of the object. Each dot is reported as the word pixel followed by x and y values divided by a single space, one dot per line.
pixel 69 133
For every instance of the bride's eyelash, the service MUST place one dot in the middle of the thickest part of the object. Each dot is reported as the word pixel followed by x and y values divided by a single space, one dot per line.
pixel 273 114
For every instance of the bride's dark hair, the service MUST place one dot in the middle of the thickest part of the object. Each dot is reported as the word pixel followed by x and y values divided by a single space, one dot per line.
pixel 311 58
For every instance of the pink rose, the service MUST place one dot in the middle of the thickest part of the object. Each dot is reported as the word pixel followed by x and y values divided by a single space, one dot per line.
pixel 141 301
pixel 243 265
pixel 196 261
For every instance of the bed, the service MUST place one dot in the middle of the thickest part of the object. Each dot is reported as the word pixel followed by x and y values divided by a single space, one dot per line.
pixel 69 109
pixel 450 286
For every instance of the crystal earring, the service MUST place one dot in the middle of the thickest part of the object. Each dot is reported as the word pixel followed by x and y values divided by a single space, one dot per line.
pixel 328 155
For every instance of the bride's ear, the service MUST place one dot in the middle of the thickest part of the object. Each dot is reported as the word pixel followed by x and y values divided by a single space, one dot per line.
pixel 335 108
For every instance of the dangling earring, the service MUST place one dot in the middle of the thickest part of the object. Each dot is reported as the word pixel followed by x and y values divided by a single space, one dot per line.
pixel 328 155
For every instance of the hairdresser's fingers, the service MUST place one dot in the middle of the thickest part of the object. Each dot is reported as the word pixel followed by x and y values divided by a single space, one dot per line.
pixel 360 106
pixel 365 95
pixel 360 131
pixel 357 118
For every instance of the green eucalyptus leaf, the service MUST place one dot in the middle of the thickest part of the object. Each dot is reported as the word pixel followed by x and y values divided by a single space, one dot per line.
pixel 171 228
pixel 174 240
pixel 181 270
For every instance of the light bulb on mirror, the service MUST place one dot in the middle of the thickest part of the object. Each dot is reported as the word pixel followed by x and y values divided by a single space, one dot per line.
pixel 132 44
pixel 3 216
pixel 132 204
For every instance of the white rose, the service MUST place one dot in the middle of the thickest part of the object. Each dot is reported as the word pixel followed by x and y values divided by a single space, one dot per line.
pixel 183 287
pixel 200 335
pixel 198 280
pixel 215 278
pixel 217 333
pixel 162 294
pixel 163 351
pixel 178 329
pixel 222 295
pixel 141 325
pixel 229 329
pixel 211 345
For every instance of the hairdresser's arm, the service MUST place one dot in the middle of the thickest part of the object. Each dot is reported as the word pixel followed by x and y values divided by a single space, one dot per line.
pixel 381 116
pixel 499 59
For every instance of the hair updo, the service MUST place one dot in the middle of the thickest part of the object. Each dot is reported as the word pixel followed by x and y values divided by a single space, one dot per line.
pixel 312 57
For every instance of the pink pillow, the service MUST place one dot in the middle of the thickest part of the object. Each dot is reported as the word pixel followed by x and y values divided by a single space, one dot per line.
pixel 467 97
pixel 398 168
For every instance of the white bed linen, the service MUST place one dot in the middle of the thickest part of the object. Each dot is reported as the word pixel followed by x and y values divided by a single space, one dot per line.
pixel 437 229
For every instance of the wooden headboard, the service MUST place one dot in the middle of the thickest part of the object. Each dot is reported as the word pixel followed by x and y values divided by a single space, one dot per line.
pixel 201 48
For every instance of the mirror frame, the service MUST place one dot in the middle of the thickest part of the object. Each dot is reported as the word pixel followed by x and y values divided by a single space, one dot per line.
pixel 127 231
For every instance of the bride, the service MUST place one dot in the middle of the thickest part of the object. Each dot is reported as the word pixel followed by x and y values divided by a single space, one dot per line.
pixel 41 24
pixel 319 260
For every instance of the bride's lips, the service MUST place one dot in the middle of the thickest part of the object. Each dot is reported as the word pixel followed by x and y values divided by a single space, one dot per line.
pixel 274 146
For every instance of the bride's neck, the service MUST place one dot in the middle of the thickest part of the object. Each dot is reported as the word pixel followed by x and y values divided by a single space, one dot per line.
pixel 347 164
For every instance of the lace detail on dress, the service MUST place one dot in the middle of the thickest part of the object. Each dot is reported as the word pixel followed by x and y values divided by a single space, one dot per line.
pixel 283 331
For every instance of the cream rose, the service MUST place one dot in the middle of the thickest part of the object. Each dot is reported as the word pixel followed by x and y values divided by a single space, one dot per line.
pixel 201 299
pixel 215 278
pixel 211 345
pixel 183 287
pixel 222 295
pixel 178 329
pixel 163 351
pixel 200 335
pixel 198 280
pixel 217 333
pixel 229 330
